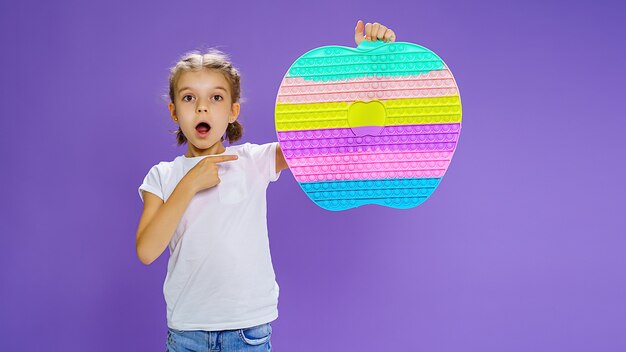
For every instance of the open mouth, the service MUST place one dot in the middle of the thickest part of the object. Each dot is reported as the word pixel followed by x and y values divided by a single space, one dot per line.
pixel 203 128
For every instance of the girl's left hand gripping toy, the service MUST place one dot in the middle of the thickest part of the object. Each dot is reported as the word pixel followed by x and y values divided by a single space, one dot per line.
pixel 373 125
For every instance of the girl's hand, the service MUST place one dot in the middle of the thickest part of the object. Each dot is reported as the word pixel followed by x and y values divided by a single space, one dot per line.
pixel 204 174
pixel 373 32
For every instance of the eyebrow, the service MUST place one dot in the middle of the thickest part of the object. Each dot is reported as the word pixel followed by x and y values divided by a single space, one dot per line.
pixel 218 87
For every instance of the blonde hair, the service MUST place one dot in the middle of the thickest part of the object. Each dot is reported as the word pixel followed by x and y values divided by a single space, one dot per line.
pixel 211 59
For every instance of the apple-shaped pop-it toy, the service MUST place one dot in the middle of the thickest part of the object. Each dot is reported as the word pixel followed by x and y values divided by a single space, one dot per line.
pixel 376 124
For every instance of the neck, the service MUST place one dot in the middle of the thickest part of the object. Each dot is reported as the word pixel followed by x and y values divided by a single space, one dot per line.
pixel 192 151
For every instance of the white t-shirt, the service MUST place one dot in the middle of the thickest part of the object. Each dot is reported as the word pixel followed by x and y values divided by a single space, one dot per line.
pixel 220 274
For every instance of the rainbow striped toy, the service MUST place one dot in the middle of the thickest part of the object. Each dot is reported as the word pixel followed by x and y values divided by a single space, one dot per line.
pixel 376 124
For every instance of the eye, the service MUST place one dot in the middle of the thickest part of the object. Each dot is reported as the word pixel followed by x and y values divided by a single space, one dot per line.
pixel 220 97
pixel 186 97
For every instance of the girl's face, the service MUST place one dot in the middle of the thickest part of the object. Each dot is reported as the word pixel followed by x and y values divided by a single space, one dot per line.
pixel 203 99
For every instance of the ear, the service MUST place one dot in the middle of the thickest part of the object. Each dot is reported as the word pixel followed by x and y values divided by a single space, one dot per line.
pixel 234 112
pixel 172 111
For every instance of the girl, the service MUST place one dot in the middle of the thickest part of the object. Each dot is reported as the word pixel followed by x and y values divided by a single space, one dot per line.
pixel 209 207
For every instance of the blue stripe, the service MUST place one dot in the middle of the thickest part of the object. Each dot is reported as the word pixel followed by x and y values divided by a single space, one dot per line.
pixel 401 193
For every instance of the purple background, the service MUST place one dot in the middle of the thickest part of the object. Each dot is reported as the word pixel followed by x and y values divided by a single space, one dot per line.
pixel 521 248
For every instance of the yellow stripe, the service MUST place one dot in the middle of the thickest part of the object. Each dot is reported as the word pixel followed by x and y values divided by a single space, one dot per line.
pixel 415 111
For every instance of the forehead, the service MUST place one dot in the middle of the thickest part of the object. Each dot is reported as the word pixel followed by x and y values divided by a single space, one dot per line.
pixel 202 80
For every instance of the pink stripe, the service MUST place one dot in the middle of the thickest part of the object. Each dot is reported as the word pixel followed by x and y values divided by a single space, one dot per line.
pixel 370 166
pixel 368 175
pixel 294 90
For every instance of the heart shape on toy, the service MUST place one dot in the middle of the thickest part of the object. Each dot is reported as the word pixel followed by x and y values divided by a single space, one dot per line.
pixel 373 125
pixel 366 118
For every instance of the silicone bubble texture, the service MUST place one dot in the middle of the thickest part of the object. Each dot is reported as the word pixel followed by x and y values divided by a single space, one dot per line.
pixel 376 124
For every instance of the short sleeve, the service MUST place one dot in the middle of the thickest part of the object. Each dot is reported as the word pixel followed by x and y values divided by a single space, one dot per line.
pixel 264 156
pixel 152 183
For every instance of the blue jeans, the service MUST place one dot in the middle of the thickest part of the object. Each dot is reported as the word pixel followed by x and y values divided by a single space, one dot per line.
pixel 256 338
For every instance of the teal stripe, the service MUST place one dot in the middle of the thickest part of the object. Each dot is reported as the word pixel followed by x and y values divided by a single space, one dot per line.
pixel 330 63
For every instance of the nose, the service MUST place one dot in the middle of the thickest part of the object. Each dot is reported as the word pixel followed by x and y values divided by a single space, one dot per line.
pixel 202 109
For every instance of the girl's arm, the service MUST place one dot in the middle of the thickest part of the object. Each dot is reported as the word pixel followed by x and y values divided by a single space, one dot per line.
pixel 159 220
pixel 281 163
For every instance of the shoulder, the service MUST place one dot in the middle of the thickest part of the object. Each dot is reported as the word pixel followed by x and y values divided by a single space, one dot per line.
pixel 263 157
pixel 257 151
pixel 162 168
pixel 165 166
pixel 156 178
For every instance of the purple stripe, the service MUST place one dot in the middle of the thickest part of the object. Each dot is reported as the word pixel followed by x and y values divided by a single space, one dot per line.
pixel 367 148
pixel 386 131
